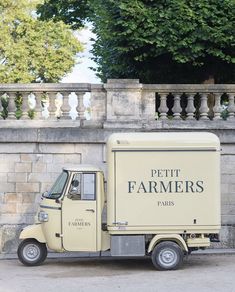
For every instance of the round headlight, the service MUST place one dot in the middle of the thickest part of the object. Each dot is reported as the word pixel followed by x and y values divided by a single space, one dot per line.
pixel 42 216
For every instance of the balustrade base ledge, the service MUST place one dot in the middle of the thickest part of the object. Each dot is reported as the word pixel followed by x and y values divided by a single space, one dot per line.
pixel 92 135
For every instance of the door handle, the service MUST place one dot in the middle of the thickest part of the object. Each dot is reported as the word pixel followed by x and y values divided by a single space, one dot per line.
pixel 90 210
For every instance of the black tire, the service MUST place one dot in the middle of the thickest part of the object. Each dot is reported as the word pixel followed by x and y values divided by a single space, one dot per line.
pixel 167 255
pixel 31 252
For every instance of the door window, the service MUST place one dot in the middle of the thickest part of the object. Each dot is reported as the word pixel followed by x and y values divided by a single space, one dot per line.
pixel 82 187
pixel 88 186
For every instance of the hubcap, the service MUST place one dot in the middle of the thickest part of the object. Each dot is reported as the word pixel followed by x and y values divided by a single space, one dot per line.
pixel 167 257
pixel 31 252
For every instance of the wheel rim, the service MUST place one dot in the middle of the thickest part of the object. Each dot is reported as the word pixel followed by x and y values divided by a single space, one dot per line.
pixel 31 252
pixel 167 258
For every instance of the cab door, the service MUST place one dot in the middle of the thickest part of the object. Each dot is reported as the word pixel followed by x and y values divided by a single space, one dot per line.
pixel 79 211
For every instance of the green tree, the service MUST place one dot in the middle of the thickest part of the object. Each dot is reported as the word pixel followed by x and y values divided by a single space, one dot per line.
pixel 162 41
pixel 32 50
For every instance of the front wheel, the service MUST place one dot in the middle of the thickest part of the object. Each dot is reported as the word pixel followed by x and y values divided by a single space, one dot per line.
pixel 167 256
pixel 31 252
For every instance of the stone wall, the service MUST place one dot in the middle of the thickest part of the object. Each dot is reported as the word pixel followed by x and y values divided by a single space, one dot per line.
pixel 33 152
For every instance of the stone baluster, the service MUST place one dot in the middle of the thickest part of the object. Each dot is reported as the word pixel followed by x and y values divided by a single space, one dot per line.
pixel 25 106
pixel 190 109
pixel 52 106
pixel 38 106
pixel 204 107
pixel 65 108
pixel 176 108
pixel 217 107
pixel 1 107
pixel 163 109
pixel 231 106
pixel 11 106
pixel 80 106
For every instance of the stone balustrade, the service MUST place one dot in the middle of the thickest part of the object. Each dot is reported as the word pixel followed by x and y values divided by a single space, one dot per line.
pixel 120 102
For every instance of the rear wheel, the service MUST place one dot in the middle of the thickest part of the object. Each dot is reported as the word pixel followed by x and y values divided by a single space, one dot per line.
pixel 167 256
pixel 31 252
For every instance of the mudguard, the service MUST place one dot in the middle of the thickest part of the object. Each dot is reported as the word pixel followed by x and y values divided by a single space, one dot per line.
pixel 165 237
pixel 33 231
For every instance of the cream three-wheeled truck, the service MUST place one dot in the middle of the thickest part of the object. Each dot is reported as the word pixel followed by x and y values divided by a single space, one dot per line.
pixel 163 201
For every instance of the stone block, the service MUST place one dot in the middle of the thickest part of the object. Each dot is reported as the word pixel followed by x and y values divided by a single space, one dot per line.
pixel 10 198
pixel 29 157
pixel 23 167
pixel 26 208
pixel 3 177
pixel 7 187
pixel 228 199
pixel 231 187
pixel 228 219
pixel 59 158
pixel 27 187
pixel 27 198
pixel 17 177
pixel 17 147
pixel 55 167
pixel 39 177
pixel 45 187
pixel 17 218
pixel 228 178
pixel 91 153
pixel 228 210
pixel 56 148
pixel 72 158
pixel 39 167
pixel 48 158
pixel 9 238
pixel 9 208
pixel 227 236
pixel 7 167
pixel 6 158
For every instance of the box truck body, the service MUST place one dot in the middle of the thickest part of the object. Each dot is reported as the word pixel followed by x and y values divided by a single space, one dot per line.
pixel 164 183
pixel 163 200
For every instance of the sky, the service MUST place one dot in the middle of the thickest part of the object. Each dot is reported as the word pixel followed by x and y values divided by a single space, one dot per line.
pixel 81 72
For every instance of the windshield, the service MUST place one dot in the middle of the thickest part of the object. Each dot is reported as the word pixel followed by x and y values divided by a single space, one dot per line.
pixel 58 187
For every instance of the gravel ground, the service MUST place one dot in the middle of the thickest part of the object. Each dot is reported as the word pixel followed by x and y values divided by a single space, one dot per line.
pixel 200 272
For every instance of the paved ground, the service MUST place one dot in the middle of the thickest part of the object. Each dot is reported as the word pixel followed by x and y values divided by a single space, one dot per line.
pixel 210 272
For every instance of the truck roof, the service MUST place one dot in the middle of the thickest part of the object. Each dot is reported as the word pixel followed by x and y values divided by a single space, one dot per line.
pixel 83 168
pixel 169 140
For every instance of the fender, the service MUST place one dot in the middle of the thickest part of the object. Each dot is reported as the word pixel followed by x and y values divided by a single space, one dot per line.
pixel 171 237
pixel 33 231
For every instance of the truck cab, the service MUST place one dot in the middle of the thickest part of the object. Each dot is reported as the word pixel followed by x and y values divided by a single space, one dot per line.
pixel 69 215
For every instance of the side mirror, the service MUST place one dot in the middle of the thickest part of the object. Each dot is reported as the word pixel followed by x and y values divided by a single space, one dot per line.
pixel 75 183
pixel 58 201
pixel 45 194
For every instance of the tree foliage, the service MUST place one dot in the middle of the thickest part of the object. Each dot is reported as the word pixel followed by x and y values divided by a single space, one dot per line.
pixel 32 50
pixel 163 41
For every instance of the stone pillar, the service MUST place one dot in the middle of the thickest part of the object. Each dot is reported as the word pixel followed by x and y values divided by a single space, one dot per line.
pixel 176 108
pixel 231 106
pixel 190 109
pixel 80 106
pixel 65 106
pixel 52 107
pixel 204 107
pixel 25 105
pixel 98 106
pixel 217 108
pixel 11 106
pixel 148 107
pixel 1 107
pixel 123 103
pixel 163 109
pixel 38 106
